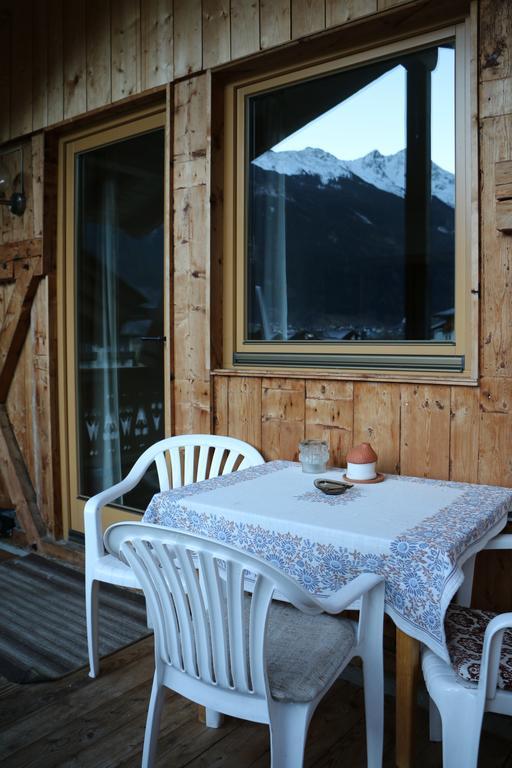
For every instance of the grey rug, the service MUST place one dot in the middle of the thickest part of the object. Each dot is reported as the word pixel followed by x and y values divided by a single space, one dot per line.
pixel 42 619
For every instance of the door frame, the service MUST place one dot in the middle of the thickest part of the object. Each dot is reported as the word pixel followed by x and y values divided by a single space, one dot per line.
pixel 96 135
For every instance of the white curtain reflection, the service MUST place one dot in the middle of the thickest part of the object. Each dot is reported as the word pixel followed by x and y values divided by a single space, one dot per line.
pixel 106 396
pixel 274 298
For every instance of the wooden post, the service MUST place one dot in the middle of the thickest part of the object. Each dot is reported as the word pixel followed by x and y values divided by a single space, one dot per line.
pixel 407 674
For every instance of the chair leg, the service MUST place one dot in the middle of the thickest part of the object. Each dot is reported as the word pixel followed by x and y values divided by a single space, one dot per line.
pixel 461 726
pixel 156 702
pixel 91 615
pixel 434 721
pixel 288 731
pixel 214 719
pixel 373 676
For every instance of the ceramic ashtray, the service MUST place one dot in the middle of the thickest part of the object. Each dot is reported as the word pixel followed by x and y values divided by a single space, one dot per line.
pixel 332 487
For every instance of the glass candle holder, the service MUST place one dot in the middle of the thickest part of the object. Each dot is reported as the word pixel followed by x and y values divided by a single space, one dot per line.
pixel 313 455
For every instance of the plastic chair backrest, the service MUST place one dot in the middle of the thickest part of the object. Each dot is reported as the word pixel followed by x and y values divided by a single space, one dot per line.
pixel 194 589
pixel 185 459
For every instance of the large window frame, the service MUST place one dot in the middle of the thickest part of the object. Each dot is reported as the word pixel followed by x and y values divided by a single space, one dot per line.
pixel 404 360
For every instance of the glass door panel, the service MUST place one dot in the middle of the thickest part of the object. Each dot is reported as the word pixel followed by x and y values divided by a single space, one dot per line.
pixel 119 320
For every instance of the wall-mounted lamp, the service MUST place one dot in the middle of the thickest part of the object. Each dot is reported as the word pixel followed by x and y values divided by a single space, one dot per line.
pixel 17 202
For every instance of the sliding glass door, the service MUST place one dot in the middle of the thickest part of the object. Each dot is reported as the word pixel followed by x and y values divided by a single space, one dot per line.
pixel 114 297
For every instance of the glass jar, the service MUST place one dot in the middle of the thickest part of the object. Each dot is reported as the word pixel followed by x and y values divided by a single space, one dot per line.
pixel 313 455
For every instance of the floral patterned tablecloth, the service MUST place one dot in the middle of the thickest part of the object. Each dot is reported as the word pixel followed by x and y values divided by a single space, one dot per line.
pixel 415 532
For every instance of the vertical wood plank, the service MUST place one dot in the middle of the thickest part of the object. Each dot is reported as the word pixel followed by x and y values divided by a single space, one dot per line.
pixel 275 21
pixel 21 69
pixel 496 395
pixel 282 413
pixel 221 405
pixel 425 431
pixel 187 37
pixel 385 4
pixel 341 11
pixel 37 184
pixel 495 40
pixel 245 409
pixel 496 98
pixel 157 42
pixel 55 79
pixel 496 311
pixel 495 456
pixel 329 415
pixel 216 33
pixel 41 405
pixel 308 16
pixel 39 64
pixel 98 34
pixel 5 76
pixel 74 59
pixel 191 254
pixel 192 412
pixel 464 428
pixel 245 28
pixel 377 421
pixel 126 53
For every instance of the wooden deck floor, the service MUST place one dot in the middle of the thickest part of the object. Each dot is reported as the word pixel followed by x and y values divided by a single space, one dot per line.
pixel 84 723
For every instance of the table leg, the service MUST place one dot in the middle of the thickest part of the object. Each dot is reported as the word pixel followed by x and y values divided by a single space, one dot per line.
pixel 407 672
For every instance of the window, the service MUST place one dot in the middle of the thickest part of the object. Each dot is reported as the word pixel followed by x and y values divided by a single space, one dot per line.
pixel 349 218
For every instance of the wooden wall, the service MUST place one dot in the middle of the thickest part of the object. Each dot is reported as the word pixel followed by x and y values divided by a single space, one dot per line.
pixel 78 57
pixel 28 403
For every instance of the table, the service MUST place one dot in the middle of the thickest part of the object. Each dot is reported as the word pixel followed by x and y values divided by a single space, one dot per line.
pixel 415 532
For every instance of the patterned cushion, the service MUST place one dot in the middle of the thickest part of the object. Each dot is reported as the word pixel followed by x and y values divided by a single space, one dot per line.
pixel 465 628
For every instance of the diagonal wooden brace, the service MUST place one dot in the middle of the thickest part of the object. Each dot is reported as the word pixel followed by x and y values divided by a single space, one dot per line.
pixel 17 482
pixel 17 320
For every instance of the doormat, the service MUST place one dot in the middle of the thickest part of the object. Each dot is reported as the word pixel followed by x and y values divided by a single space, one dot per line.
pixel 42 619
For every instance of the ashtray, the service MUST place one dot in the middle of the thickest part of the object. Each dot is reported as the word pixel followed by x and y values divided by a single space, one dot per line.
pixel 332 487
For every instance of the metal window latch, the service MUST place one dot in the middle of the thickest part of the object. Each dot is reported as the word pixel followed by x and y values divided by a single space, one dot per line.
pixel 161 339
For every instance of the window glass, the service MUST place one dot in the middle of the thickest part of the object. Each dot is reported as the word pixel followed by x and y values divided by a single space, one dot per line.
pixel 350 204
pixel 119 311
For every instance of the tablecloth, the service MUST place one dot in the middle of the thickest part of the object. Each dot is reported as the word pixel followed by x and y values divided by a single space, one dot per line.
pixel 415 532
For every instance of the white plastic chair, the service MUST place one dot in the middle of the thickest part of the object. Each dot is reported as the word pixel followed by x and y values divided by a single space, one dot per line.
pixel 241 653
pixel 179 461
pixel 461 692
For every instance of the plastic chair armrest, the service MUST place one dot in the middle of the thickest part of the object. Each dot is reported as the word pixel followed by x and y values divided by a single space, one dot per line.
pixel 93 509
pixel 491 653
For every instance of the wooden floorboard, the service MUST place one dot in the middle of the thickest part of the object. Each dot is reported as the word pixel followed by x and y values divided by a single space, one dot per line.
pixel 82 723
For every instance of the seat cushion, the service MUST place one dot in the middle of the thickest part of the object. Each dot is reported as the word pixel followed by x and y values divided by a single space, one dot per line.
pixel 465 629
pixel 304 653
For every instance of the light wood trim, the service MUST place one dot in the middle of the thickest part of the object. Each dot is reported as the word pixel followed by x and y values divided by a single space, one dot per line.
pixel 95 136
pixel 342 375
pixel 466 248
pixel 168 261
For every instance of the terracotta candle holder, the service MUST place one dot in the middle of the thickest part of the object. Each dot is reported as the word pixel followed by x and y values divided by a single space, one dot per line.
pixel 361 465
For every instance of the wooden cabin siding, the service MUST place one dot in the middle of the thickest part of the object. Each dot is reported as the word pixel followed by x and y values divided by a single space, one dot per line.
pixel 70 58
